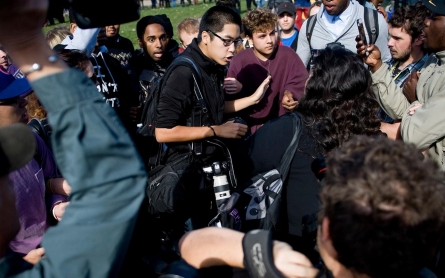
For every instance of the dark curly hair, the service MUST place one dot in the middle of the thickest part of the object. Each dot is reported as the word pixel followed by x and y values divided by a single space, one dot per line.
pixel 385 205
pixel 410 18
pixel 339 102
pixel 259 20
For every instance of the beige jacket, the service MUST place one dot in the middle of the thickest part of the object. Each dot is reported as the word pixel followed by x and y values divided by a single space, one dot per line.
pixel 426 128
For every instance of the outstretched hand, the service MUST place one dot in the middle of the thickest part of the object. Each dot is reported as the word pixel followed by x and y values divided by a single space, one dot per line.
pixel 258 95
pixel 370 54
pixel 231 129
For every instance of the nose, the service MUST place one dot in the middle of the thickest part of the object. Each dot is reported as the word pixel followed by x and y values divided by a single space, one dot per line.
pixel 232 47
pixel 391 42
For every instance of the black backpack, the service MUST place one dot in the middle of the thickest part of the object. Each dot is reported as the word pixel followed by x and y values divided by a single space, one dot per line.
pixel 257 204
pixel 149 149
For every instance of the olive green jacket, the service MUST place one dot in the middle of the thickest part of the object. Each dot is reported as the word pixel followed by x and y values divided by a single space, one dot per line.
pixel 426 127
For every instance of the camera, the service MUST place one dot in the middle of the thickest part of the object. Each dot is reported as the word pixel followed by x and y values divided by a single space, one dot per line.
pixel 100 13
pixel 221 186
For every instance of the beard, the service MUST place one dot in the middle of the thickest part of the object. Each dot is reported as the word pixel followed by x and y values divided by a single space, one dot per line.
pixel 402 56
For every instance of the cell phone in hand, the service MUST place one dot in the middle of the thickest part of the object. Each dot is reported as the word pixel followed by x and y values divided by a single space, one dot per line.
pixel 361 31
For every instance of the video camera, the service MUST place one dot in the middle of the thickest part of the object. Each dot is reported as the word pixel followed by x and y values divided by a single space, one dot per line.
pixel 100 13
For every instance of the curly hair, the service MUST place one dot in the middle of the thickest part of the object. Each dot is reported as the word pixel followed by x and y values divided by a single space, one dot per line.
pixel 385 205
pixel 34 107
pixel 410 18
pixel 259 20
pixel 339 102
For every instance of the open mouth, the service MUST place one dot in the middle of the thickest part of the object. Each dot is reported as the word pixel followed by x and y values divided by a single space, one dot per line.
pixel 329 7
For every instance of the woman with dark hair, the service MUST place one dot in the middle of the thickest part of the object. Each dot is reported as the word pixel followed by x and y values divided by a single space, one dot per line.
pixel 337 105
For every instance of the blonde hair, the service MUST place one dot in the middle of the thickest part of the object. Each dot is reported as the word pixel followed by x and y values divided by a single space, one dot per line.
pixel 57 35
pixel 34 107
pixel 189 25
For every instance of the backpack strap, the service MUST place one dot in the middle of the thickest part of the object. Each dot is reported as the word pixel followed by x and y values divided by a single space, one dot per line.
pixel 372 24
pixel 284 165
pixel 310 28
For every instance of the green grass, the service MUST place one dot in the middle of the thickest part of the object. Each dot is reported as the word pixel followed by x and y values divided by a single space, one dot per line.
pixel 177 14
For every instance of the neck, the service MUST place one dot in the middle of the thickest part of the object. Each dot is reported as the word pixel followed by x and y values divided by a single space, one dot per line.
pixel 416 55
pixel 287 33
pixel 261 56
pixel 339 270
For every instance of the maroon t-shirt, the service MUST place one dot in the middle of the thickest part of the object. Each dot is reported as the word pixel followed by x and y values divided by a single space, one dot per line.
pixel 288 73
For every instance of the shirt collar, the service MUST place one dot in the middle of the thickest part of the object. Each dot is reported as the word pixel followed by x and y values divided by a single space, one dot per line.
pixel 344 16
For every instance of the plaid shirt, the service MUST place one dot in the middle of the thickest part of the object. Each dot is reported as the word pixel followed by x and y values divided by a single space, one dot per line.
pixel 400 79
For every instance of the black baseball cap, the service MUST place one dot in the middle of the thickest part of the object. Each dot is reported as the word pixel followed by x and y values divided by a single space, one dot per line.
pixel 436 6
pixel 286 7
pixel 17 147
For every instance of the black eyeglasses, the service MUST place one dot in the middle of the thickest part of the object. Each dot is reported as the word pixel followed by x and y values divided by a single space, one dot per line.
pixel 10 101
pixel 228 42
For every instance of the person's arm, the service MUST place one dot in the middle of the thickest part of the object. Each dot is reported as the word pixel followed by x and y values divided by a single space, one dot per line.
pixel 175 101
pixel 303 48
pixel 218 246
pixel 239 104
pixel 93 151
pixel 295 83
pixel 388 94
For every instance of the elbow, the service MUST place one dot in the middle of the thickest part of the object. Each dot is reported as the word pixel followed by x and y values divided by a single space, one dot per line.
pixel 160 135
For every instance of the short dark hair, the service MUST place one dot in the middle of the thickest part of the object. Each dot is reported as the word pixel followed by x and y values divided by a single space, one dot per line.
pixel 215 18
pixel 74 58
pixel 385 205
pixel 147 20
pixel 339 101
pixel 410 18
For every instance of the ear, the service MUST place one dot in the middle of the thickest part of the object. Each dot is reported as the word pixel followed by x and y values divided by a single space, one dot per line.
pixel 205 37
pixel 73 27
pixel 141 45
pixel 418 42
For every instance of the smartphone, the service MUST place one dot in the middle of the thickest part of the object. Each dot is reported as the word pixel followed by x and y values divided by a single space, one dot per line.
pixel 361 31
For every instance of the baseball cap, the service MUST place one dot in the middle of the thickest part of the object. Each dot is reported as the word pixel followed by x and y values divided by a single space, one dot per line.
pixel 287 7
pixel 11 87
pixel 436 6
pixel 17 147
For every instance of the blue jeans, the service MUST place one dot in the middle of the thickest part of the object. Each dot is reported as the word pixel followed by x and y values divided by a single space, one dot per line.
pixel 259 3
pixel 173 3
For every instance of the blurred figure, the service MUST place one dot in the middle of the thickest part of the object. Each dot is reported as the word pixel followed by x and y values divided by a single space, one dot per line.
pixel 56 35
pixel 187 30
pixel 119 48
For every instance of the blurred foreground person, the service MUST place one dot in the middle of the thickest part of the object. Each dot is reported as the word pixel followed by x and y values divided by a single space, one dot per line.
pixel 382 216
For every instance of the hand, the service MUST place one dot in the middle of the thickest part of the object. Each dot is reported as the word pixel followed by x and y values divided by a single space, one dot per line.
pixel 259 93
pixel 34 255
pixel 414 108
pixel 370 54
pixel 230 130
pixel 232 86
pixel 288 101
pixel 381 10
pixel 291 263
pixel 59 210
pixel 409 89
pixel 391 130
pixel 26 18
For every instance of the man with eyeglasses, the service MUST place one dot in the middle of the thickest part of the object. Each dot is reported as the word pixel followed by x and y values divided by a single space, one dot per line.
pixel 266 58
pixel 175 123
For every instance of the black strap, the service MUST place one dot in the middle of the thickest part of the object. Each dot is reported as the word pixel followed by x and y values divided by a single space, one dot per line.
pixel 284 165
pixel 310 25
pixel 372 24
pixel 258 255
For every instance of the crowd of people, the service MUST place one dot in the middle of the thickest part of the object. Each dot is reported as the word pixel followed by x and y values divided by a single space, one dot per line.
pixel 112 158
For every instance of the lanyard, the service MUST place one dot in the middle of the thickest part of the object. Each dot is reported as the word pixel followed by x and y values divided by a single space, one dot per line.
pixel 392 70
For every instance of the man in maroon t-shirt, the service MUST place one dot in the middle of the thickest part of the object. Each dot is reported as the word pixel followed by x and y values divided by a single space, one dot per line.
pixel 250 67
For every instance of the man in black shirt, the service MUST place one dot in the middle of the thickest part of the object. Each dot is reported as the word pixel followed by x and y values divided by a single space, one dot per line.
pixel 119 48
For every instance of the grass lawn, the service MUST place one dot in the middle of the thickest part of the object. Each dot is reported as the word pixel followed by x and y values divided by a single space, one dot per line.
pixel 177 14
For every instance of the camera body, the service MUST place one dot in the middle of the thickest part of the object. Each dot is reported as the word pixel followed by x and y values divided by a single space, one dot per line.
pixel 100 13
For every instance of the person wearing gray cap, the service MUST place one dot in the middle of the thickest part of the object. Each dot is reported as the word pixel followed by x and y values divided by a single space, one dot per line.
pixel 286 20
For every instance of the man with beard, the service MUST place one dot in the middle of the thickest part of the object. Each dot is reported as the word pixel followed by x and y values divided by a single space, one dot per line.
pixel 406 44
pixel 251 66
pixel 420 104
pixel 286 21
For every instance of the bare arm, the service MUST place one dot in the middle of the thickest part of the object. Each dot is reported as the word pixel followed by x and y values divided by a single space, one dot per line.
pixel 240 104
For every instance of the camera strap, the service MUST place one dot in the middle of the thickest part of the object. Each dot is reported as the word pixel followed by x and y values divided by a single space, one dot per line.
pixel 258 255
